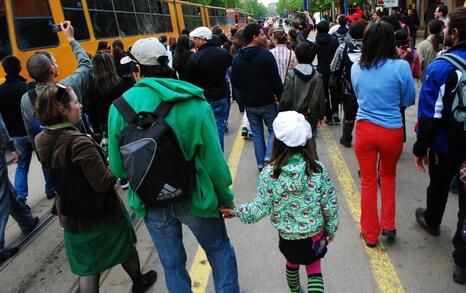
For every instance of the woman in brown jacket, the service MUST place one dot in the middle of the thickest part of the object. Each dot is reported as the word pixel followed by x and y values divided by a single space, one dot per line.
pixel 95 241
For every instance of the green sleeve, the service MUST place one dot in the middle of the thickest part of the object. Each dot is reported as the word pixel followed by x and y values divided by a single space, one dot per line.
pixel 211 157
pixel 329 204
pixel 116 125
pixel 261 206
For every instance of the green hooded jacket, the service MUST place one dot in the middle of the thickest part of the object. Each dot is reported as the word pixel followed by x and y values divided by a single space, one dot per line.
pixel 193 123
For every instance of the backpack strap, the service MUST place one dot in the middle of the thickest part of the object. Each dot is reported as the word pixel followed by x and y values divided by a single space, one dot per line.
pixel 125 109
pixel 32 96
pixel 457 61
pixel 163 109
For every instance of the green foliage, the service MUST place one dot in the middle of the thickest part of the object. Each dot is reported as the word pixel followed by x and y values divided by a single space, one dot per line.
pixel 316 5
pixel 251 6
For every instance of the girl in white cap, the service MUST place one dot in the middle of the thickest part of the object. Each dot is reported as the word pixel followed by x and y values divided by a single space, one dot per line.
pixel 296 191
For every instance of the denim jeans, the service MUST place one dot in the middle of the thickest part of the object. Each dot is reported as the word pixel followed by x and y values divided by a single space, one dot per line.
pixel 9 204
pixel 24 147
pixel 221 109
pixel 257 116
pixel 164 226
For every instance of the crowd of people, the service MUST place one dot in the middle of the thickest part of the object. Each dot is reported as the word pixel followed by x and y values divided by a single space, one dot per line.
pixel 170 99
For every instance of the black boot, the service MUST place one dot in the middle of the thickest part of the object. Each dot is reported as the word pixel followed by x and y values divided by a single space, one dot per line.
pixel 145 282
pixel 346 136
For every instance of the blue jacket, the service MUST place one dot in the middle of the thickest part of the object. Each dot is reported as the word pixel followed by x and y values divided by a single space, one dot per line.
pixel 435 102
pixel 254 73
pixel 381 89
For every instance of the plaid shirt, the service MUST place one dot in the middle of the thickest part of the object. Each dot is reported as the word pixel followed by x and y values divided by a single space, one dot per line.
pixel 282 55
pixel 337 62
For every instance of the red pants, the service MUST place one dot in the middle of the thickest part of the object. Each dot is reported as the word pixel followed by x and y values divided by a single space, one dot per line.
pixel 371 142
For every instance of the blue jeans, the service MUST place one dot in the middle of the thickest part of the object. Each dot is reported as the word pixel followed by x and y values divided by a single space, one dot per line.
pixel 257 116
pixel 9 204
pixel 24 147
pixel 221 109
pixel 164 226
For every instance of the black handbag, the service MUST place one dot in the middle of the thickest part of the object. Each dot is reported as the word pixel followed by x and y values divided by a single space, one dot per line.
pixel 76 196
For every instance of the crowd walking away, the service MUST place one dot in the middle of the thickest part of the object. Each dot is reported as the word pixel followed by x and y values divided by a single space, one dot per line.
pixel 153 117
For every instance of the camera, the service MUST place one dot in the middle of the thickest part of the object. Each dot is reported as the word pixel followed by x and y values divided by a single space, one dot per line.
pixel 55 28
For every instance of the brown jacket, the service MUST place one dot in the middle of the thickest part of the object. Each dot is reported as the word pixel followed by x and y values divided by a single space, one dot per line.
pixel 93 166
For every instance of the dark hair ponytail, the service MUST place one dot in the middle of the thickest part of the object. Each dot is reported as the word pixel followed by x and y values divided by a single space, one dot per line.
pixel 435 27
pixel 281 154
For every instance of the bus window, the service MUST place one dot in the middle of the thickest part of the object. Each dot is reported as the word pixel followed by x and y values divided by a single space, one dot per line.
pixel 161 16
pixel 192 17
pixel 103 18
pixel 217 16
pixel 5 45
pixel 126 18
pixel 145 20
pixel 32 21
pixel 213 17
pixel 73 11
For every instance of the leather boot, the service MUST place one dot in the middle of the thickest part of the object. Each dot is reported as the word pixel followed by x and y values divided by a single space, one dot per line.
pixel 346 136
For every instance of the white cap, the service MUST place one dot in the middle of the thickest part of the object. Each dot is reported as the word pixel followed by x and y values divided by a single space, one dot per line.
pixel 201 32
pixel 145 52
pixel 292 128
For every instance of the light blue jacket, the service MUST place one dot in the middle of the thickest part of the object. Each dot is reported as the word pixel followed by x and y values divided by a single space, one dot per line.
pixel 381 90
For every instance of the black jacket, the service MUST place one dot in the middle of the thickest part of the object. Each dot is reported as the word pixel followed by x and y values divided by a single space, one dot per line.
pixel 11 92
pixel 255 74
pixel 180 65
pixel 206 68
pixel 324 47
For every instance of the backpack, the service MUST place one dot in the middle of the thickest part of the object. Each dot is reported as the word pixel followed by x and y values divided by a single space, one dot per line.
pixel 36 126
pixel 347 63
pixel 457 123
pixel 151 156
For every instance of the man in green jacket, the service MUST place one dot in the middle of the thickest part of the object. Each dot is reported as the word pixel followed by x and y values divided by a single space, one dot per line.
pixel 193 124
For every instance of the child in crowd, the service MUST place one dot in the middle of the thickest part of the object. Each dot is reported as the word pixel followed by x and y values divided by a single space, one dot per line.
pixel 296 191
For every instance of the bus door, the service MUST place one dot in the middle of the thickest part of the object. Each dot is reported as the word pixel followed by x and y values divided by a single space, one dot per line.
pixel 5 44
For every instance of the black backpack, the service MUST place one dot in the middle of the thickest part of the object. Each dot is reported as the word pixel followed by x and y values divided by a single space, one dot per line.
pixel 151 156
pixel 350 48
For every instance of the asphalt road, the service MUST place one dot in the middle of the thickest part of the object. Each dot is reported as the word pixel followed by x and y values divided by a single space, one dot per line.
pixel 415 262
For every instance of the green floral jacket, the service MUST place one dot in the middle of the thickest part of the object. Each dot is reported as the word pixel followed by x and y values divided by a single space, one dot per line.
pixel 299 206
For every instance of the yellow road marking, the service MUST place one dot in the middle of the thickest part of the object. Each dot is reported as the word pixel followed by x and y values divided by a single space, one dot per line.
pixel 200 269
pixel 382 267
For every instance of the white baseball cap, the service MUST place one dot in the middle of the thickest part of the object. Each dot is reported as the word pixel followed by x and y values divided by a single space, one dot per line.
pixel 292 128
pixel 201 32
pixel 145 52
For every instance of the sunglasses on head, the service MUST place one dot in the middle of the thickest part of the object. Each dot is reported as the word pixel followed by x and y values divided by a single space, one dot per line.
pixel 61 92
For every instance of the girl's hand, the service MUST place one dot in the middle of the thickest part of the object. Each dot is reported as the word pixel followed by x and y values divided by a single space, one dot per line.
pixel 226 212
pixel 330 239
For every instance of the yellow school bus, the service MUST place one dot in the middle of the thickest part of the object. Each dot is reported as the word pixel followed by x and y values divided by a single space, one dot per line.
pixel 25 25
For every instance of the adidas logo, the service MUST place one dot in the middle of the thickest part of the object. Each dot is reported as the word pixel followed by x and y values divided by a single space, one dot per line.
pixel 168 192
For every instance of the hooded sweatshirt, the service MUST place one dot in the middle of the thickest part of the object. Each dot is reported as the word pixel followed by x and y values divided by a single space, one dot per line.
pixel 304 93
pixel 300 206
pixel 255 74
pixel 324 47
pixel 193 124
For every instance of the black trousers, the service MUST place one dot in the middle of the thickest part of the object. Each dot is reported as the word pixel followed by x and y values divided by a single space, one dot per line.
pixel 331 99
pixel 350 107
pixel 441 171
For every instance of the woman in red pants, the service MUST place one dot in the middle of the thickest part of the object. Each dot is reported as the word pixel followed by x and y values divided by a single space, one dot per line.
pixel 382 82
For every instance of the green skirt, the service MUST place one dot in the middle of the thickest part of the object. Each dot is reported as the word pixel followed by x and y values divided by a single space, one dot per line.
pixel 94 251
